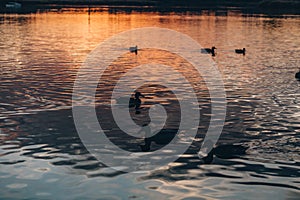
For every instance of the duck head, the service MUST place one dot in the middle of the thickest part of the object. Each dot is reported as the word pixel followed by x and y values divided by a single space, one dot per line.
pixel 213 53
pixel 138 95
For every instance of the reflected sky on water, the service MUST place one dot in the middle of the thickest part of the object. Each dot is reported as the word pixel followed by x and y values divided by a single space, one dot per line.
pixel 42 156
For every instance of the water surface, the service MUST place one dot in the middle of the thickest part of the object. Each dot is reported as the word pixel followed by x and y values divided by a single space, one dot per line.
pixel 42 156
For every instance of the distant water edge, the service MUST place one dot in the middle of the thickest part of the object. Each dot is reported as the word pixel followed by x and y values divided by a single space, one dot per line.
pixel 256 6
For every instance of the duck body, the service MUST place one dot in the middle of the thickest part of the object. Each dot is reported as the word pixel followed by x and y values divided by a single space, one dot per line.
pixel 240 51
pixel 229 151
pixel 164 137
pixel 133 50
pixel 209 50
pixel 297 75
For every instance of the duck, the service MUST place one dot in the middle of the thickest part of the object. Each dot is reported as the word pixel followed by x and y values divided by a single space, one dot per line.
pixel 133 49
pixel 240 51
pixel 226 151
pixel 297 75
pixel 209 50
pixel 163 137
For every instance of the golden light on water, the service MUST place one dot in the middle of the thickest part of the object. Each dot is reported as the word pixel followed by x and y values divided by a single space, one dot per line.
pixel 40 57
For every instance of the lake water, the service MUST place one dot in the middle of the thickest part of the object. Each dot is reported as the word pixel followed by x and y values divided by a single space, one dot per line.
pixel 42 157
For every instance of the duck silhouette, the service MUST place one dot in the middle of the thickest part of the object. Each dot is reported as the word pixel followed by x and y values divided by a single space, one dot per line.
pixel 297 75
pixel 240 51
pixel 163 137
pixel 134 50
pixel 226 151
pixel 209 50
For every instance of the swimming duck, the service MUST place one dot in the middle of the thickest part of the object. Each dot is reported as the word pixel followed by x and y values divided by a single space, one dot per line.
pixel 133 50
pixel 163 137
pixel 240 51
pixel 228 151
pixel 297 75
pixel 209 50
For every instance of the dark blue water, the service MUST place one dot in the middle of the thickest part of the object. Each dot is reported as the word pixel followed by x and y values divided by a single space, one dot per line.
pixel 42 156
